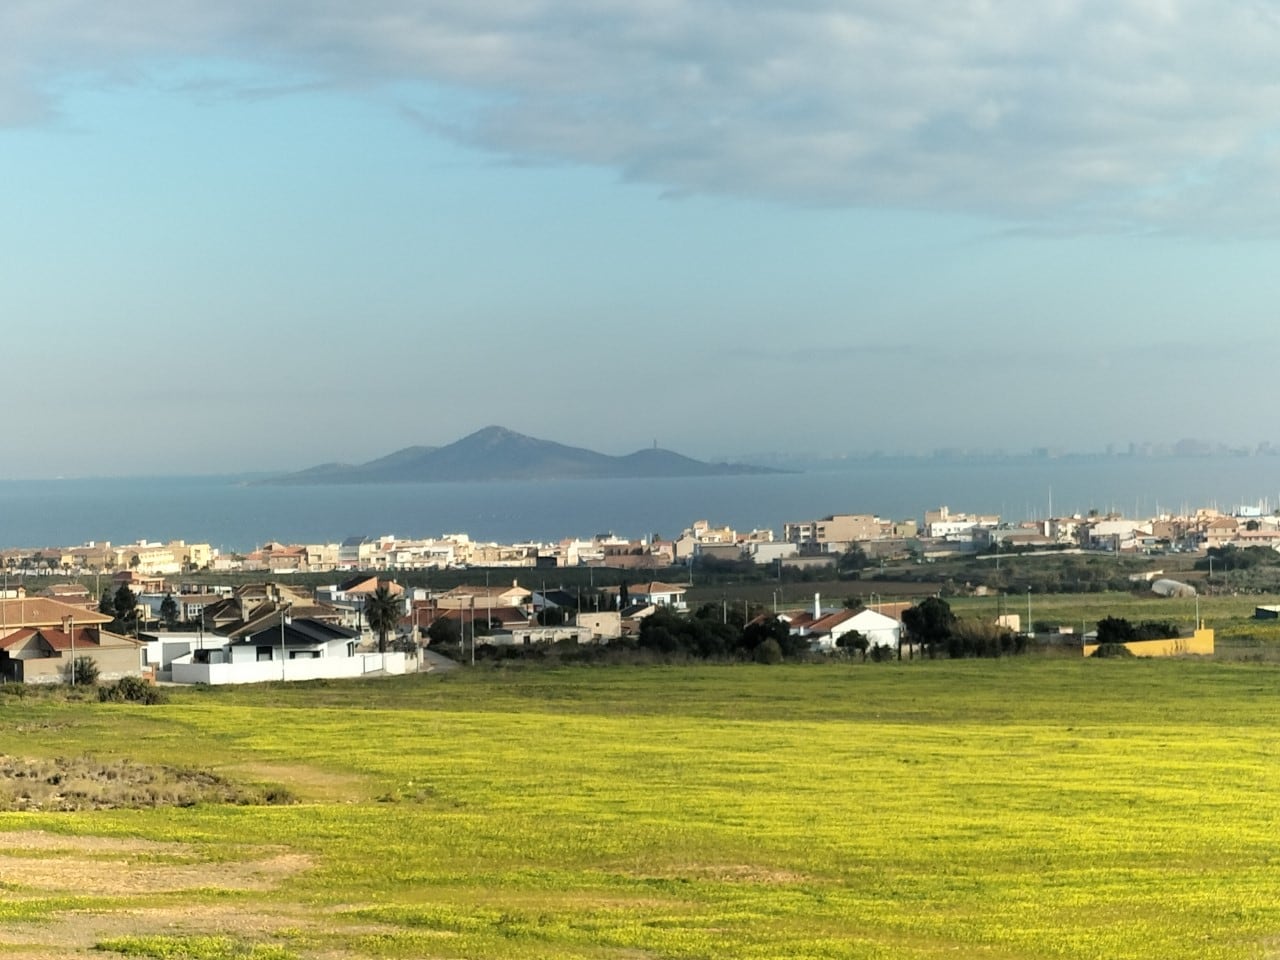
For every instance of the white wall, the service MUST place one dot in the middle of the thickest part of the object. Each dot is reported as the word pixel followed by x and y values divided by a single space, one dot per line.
pixel 323 668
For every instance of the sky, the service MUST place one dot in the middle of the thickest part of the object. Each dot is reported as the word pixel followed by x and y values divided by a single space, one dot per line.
pixel 263 234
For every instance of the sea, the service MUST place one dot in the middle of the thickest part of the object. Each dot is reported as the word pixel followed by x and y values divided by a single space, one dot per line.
pixel 234 514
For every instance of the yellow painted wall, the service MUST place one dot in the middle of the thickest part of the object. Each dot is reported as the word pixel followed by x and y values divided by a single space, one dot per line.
pixel 1199 643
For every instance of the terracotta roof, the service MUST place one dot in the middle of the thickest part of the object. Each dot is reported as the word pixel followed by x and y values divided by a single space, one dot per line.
pixel 497 590
pixel 833 620
pixel 506 616
pixel 361 583
pixel 85 637
pixel 45 612
pixel 67 590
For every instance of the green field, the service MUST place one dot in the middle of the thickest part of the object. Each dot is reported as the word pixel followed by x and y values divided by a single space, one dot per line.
pixel 1023 808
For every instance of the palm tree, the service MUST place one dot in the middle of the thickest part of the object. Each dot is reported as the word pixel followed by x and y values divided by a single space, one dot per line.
pixel 382 612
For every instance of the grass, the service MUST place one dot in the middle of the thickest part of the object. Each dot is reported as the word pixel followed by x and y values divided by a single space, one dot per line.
pixel 1011 809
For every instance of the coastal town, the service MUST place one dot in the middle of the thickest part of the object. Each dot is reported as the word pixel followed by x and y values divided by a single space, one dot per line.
pixel 801 543
pixel 149 614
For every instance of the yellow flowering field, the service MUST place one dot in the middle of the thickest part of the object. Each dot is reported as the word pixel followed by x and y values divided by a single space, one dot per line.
pixel 1003 809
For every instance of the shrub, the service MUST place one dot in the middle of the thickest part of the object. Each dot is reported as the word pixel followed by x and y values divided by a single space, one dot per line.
pixel 84 671
pixel 1112 650
pixel 132 690
pixel 770 651
pixel 880 652
pixel 1156 630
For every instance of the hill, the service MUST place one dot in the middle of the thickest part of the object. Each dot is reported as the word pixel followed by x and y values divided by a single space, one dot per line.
pixel 496 453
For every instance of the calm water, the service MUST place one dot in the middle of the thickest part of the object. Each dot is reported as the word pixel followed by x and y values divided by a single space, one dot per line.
pixel 234 516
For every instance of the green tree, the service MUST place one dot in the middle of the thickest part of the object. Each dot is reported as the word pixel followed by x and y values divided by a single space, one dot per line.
pixel 768 652
pixel 852 561
pixel 1156 630
pixel 125 604
pixel 853 640
pixel 766 628
pixel 169 611
pixel 444 631
pixel 382 611
pixel 1115 630
pixel 930 622
pixel 553 617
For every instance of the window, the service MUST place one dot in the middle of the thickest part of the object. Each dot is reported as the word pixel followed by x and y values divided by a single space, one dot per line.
pixel 264 653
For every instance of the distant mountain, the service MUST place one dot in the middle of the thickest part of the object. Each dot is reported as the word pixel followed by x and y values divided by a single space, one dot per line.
pixel 496 453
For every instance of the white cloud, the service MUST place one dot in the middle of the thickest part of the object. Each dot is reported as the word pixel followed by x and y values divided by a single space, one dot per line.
pixel 1158 114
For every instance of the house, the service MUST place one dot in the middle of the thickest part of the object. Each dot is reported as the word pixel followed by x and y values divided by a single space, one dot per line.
pixel 138 582
pixel 298 638
pixel 531 635
pixel 254 603
pixel 656 593
pixel 161 649
pixel 350 596
pixel 554 599
pixel 876 627
pixel 23 611
pixel 495 618
pixel 286 648
pixel 942 524
pixel 45 654
pixel 834 533
pixel 465 597
pixel 72 594
pixel 630 617
pixel 604 625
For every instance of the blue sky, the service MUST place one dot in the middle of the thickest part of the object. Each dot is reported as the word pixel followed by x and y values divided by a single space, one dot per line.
pixel 260 235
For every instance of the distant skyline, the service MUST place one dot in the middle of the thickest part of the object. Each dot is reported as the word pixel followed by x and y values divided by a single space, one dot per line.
pixel 259 236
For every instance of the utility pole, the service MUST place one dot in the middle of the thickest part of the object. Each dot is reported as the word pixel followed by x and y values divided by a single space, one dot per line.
pixel 70 626
pixel 284 619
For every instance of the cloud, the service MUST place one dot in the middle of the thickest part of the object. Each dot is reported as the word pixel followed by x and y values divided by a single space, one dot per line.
pixel 1128 114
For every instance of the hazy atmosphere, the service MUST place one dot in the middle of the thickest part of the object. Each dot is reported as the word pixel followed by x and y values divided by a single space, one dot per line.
pixel 261 235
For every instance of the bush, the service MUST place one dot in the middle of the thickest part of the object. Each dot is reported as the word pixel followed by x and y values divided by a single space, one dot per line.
pixel 132 690
pixel 83 671
pixel 1156 630
pixel 1112 650
pixel 770 651
pixel 881 652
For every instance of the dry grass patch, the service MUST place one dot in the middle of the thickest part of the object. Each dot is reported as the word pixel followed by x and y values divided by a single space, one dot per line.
pixel 42 866
pixel 111 866
pixel 84 783
pixel 736 873
pixel 308 783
